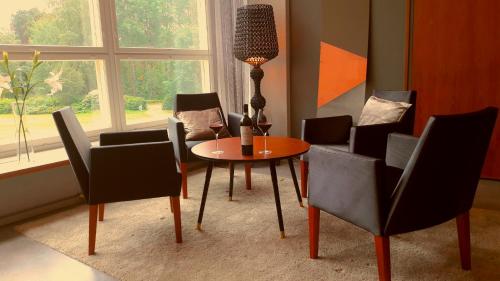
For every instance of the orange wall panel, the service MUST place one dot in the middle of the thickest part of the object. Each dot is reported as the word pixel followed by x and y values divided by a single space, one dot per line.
pixel 339 72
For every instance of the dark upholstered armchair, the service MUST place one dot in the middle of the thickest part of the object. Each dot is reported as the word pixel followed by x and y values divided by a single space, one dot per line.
pixel 126 166
pixel 422 183
pixel 189 102
pixel 338 132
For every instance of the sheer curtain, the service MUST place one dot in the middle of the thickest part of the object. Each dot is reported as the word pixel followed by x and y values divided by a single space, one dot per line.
pixel 232 74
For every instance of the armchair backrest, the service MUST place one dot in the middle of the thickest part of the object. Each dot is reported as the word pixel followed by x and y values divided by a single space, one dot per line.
pixel 408 120
pixel 77 145
pixel 188 102
pixel 440 180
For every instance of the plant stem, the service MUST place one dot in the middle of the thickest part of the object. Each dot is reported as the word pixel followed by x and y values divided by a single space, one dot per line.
pixel 21 115
pixel 25 140
pixel 21 92
pixel 19 143
pixel 18 130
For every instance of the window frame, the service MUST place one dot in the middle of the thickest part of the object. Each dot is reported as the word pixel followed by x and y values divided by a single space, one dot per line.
pixel 110 53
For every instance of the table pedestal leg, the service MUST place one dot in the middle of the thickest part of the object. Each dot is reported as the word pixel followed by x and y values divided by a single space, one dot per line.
pixel 295 182
pixel 231 180
pixel 272 166
pixel 205 192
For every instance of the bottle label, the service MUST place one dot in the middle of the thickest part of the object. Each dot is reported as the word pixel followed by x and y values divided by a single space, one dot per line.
pixel 246 135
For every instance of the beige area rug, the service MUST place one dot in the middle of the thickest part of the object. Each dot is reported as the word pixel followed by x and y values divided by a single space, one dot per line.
pixel 241 240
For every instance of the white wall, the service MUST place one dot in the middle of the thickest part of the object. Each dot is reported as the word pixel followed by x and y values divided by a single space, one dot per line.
pixel 30 191
pixel 275 83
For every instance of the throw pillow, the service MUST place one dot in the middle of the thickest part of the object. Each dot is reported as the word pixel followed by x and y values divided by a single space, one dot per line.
pixel 379 111
pixel 196 124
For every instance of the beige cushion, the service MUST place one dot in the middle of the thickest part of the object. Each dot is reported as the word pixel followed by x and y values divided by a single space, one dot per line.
pixel 196 124
pixel 379 111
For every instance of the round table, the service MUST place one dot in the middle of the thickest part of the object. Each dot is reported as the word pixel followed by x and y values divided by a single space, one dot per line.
pixel 281 148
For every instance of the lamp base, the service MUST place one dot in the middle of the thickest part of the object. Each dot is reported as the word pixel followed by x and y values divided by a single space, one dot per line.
pixel 258 101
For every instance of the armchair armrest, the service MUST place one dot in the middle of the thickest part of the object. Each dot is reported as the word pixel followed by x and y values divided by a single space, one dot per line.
pixel 371 140
pixel 233 123
pixel 399 149
pixel 132 171
pixel 349 186
pixel 177 135
pixel 130 137
pixel 326 130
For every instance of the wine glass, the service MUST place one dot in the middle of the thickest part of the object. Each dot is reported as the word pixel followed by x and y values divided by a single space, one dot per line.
pixel 215 123
pixel 264 124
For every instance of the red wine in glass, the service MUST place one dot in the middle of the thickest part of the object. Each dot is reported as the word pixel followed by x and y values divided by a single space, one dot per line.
pixel 264 127
pixel 216 124
pixel 264 124
pixel 216 127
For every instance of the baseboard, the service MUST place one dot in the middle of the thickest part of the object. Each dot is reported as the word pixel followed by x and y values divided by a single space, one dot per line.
pixel 67 202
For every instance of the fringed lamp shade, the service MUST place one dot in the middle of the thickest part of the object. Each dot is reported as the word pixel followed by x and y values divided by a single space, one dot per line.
pixel 255 39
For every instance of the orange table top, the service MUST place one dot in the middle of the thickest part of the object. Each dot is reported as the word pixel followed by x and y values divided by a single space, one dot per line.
pixel 281 147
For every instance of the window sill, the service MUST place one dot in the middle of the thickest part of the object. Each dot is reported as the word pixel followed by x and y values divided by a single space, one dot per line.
pixel 49 159
pixel 43 160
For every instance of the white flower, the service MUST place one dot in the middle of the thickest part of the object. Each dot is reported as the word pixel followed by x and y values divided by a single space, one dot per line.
pixel 54 82
pixel 4 83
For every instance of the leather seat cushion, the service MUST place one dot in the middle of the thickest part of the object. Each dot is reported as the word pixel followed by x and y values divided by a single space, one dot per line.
pixel 189 144
pixel 343 147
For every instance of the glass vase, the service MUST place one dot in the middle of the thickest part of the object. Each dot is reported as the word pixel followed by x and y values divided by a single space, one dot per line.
pixel 23 141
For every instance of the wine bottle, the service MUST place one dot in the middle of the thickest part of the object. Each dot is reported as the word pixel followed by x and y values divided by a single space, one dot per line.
pixel 246 133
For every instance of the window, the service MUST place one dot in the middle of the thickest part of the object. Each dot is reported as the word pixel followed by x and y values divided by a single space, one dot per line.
pixel 179 24
pixel 149 86
pixel 121 61
pixel 51 23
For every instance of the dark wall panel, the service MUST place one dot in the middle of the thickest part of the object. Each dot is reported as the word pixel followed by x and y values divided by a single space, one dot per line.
pixel 343 57
pixel 388 42
pixel 305 32
pixel 386 53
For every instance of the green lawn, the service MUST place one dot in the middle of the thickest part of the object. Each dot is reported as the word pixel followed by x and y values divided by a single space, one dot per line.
pixel 42 125
pixel 153 113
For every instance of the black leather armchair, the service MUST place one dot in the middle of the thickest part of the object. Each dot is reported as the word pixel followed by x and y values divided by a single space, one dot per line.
pixel 422 183
pixel 182 148
pixel 126 166
pixel 338 132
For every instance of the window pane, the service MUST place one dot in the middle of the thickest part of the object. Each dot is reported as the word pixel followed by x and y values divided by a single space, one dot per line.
pixel 81 89
pixel 50 22
pixel 150 86
pixel 162 24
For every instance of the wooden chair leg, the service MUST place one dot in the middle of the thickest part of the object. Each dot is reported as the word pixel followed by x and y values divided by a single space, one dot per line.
pixel 304 172
pixel 313 231
pixel 101 212
pixel 177 218
pixel 248 175
pixel 184 171
pixel 171 205
pixel 382 248
pixel 463 229
pixel 92 228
